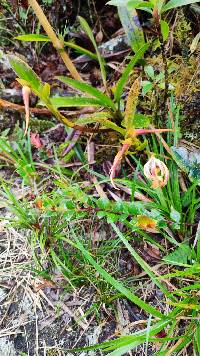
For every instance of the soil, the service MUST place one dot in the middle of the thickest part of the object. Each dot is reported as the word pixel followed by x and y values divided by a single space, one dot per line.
pixel 39 320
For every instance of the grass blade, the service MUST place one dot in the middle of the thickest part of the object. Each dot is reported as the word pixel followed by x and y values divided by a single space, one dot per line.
pixel 116 284
pixel 141 262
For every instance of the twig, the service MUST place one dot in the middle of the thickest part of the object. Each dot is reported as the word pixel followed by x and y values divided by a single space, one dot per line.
pixel 16 107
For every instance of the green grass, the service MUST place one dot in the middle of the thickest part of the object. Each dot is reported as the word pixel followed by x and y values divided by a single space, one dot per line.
pixel 57 226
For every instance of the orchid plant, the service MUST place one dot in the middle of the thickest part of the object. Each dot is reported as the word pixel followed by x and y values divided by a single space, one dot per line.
pixel 106 110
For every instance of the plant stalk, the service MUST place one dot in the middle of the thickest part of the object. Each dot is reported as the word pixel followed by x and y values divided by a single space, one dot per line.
pixel 57 43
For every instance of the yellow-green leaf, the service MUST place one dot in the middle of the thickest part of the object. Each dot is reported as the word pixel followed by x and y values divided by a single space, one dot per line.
pixel 164 29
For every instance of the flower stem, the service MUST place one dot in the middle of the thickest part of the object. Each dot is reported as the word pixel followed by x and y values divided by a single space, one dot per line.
pixel 54 39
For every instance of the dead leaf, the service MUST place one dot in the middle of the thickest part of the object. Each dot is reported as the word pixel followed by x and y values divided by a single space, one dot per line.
pixel 35 140
pixel 99 36
pixel 152 251
pixel 42 283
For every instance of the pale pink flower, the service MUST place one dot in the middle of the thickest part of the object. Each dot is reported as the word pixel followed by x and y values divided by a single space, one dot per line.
pixel 26 96
pixel 156 171
pixel 131 135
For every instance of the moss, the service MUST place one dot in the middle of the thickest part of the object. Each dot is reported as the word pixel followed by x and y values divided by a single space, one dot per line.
pixel 40 126
pixel 182 30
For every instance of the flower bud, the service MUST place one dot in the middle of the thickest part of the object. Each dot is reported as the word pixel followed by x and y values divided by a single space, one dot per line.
pixel 26 95
pixel 156 171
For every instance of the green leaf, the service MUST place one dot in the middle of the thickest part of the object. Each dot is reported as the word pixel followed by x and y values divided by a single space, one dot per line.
pixel 197 340
pixel 175 215
pixel 88 31
pixel 181 255
pixel 81 50
pixel 86 88
pixel 128 341
pixel 149 71
pixel 164 29
pixel 132 27
pixel 189 162
pixel 146 86
pixel 162 86
pixel 159 77
pixel 143 5
pixel 25 73
pixel 42 38
pixel 33 37
pixel 158 4
pixel 68 101
pixel 117 2
pixel 122 81
pixel 133 4
pixel 140 260
pixel 141 121
pixel 46 91
pixel 136 3
pixel 176 3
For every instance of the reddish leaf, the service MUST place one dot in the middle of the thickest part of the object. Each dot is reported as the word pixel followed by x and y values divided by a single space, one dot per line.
pixel 35 140
pixel 161 334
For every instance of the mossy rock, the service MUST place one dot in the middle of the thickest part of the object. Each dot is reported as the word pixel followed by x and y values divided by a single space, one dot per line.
pixel 191 124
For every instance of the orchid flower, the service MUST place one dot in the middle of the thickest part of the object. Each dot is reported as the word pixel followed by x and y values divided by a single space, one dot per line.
pixel 127 143
pixel 156 171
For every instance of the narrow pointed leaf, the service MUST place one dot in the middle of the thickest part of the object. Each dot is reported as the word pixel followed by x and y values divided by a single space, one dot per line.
pixel 86 88
pixel 164 29
pixel 101 120
pixel 33 37
pixel 126 341
pixel 132 27
pixel 123 79
pixel 139 260
pixel 88 31
pixel 67 101
pixel 25 72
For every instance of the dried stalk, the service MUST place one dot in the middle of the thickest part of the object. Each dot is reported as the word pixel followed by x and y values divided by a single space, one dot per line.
pixel 57 43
